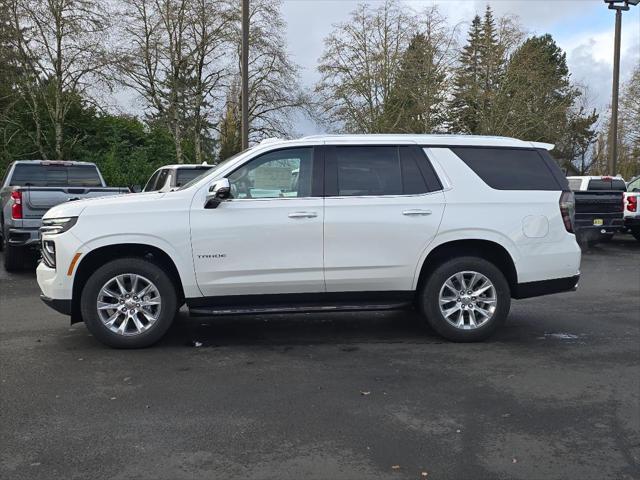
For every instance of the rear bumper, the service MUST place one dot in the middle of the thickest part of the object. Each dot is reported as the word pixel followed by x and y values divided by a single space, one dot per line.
pixel 631 222
pixel 609 225
pixel 23 237
pixel 546 287
pixel 60 306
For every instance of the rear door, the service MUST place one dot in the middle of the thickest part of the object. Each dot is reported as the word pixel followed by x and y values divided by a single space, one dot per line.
pixel 383 206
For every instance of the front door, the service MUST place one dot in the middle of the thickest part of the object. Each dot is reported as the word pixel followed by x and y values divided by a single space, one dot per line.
pixel 267 239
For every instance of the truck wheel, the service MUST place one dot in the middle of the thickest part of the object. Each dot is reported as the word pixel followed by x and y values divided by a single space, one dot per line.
pixel 14 257
pixel 466 299
pixel 128 303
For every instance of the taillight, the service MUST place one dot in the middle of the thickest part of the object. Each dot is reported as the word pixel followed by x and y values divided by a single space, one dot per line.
pixel 632 203
pixel 567 210
pixel 16 208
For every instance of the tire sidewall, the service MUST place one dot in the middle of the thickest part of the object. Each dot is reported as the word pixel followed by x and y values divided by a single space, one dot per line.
pixel 138 266
pixel 431 292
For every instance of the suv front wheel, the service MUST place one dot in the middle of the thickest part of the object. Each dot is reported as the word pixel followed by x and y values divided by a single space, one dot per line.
pixel 466 299
pixel 128 303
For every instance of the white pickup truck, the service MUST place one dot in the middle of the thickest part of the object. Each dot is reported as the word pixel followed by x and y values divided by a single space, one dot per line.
pixel 455 226
pixel 632 207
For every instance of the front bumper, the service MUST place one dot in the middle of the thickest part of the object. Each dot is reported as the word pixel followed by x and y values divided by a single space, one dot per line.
pixel 546 287
pixel 60 306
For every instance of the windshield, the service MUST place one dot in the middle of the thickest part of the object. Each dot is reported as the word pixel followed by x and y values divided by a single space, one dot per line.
pixel 214 168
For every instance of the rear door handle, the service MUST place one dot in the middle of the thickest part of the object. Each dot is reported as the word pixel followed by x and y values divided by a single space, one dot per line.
pixel 303 215
pixel 416 212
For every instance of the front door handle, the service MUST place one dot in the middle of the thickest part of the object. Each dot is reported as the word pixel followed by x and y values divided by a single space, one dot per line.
pixel 303 215
pixel 416 212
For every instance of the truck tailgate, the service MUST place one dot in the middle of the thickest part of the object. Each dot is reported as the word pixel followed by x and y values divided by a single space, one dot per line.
pixel 599 209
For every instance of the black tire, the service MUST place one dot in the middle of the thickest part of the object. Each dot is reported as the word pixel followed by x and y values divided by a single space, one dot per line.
pixel 429 300
pixel 636 233
pixel 138 266
pixel 14 258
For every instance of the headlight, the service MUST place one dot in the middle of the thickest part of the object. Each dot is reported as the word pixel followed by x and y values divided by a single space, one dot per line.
pixel 48 252
pixel 54 226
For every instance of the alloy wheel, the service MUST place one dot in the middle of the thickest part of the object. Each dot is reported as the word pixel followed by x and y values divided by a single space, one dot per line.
pixel 467 300
pixel 129 304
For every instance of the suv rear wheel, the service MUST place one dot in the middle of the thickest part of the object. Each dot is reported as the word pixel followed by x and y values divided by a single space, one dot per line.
pixel 466 299
pixel 128 303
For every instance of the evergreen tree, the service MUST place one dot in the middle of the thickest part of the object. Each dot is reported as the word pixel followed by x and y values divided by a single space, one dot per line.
pixel 230 130
pixel 536 93
pixel 466 85
pixel 416 103
pixel 478 78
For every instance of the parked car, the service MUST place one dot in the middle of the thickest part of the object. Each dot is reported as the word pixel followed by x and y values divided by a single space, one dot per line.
pixel 456 226
pixel 599 207
pixel 174 176
pixel 30 188
pixel 631 208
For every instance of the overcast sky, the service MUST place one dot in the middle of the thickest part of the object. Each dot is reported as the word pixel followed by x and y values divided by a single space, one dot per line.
pixel 583 28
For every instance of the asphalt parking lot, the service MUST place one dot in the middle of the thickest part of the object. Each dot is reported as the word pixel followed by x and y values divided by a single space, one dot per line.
pixel 554 395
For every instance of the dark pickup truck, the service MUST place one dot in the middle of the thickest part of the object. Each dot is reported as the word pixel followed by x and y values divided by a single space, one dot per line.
pixel 599 207
pixel 30 188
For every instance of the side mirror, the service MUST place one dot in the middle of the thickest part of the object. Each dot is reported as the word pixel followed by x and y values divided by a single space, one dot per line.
pixel 219 191
pixel 135 189
pixel 636 189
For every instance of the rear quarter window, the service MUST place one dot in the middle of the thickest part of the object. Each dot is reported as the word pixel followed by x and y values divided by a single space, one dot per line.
pixel 510 168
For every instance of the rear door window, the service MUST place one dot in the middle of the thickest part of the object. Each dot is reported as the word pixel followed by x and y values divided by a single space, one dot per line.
pixel 364 171
pixel 509 168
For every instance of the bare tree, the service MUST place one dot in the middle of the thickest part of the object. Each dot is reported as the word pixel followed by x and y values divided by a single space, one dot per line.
pixel 61 53
pixel 174 54
pixel 275 95
pixel 154 59
pixel 360 63
pixel 209 33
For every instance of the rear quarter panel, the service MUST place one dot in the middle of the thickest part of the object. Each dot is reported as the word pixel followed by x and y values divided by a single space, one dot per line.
pixel 527 223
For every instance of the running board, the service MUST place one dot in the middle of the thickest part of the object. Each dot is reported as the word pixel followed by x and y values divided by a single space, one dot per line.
pixel 301 308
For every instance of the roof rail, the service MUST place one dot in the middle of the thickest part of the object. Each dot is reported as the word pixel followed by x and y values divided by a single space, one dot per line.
pixel 269 140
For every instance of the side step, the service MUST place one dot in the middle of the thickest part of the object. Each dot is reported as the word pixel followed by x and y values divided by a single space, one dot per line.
pixel 299 308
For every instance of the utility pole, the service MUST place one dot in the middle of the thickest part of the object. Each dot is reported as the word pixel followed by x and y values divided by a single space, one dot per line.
pixel 619 6
pixel 244 72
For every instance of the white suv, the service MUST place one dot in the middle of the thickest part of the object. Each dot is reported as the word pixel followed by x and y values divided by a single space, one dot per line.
pixel 455 226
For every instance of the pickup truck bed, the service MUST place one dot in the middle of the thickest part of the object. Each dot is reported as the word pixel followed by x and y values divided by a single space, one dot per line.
pixel 30 188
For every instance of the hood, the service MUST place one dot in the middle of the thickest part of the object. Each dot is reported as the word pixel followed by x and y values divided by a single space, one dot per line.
pixel 76 207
